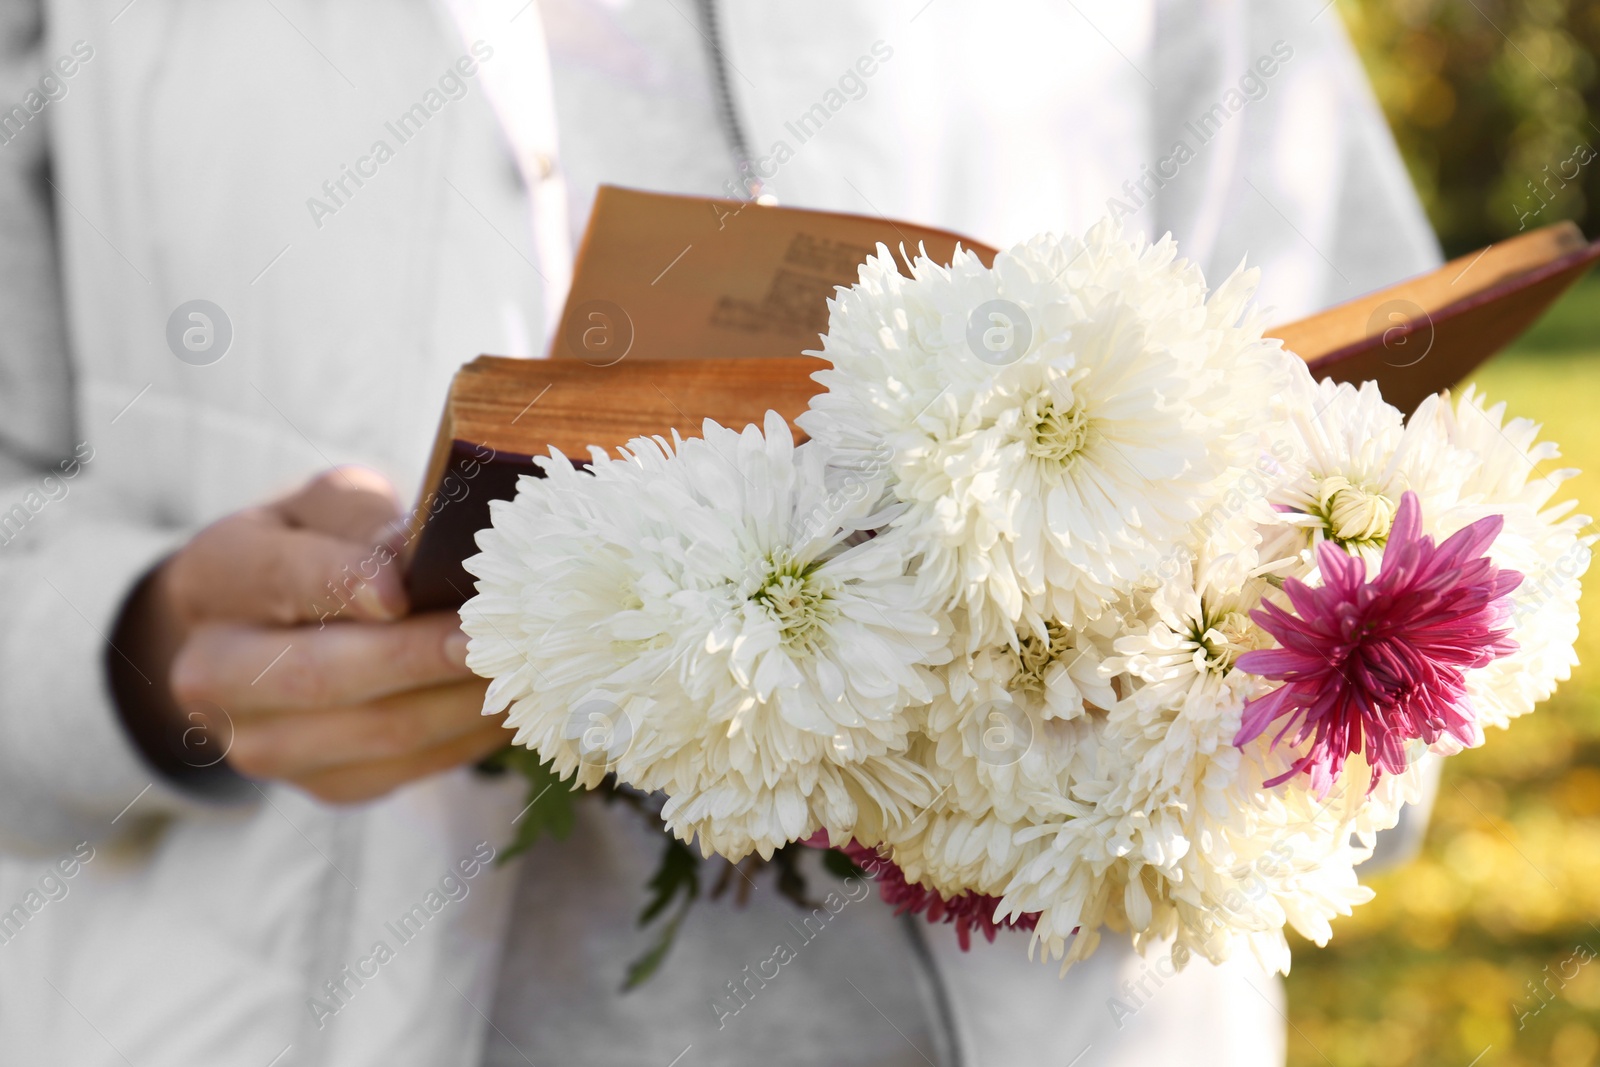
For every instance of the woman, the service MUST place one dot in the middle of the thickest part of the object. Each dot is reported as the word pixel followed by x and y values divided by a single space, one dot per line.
pixel 363 195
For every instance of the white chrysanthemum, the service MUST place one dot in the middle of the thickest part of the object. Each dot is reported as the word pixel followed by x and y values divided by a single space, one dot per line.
pixel 995 725
pixel 1498 469
pixel 697 618
pixel 1353 461
pixel 998 740
pixel 1052 424
pixel 1180 648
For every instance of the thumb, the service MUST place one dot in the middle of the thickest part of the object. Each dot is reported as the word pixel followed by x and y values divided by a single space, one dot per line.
pixel 353 503
pixel 253 567
pixel 314 555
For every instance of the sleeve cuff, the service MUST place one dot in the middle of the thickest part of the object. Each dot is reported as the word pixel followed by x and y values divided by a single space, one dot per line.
pixel 69 771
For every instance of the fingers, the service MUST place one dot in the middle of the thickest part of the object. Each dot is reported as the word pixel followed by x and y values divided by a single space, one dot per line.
pixel 294 745
pixel 350 708
pixel 318 554
pixel 354 504
pixel 251 567
pixel 367 781
pixel 248 669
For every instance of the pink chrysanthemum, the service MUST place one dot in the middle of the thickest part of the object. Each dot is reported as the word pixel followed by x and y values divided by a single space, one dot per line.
pixel 969 911
pixel 1382 662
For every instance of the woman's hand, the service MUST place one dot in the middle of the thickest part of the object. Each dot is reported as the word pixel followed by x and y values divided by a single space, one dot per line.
pixel 279 635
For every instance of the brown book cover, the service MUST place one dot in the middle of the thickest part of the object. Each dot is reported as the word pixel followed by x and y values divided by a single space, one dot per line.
pixel 503 412
pixel 1429 332
pixel 688 308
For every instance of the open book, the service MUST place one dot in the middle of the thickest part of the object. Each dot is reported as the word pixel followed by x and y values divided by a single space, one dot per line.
pixel 689 308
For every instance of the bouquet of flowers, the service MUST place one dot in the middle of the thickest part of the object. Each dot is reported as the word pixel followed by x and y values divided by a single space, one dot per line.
pixel 1083 608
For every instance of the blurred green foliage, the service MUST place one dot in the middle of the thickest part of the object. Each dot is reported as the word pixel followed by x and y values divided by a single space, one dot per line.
pixel 1471 954
pixel 1492 103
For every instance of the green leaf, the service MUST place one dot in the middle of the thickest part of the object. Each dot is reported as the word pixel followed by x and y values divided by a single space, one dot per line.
pixel 677 877
pixel 640 970
pixel 839 865
pixel 549 809
pixel 791 884
pixel 678 871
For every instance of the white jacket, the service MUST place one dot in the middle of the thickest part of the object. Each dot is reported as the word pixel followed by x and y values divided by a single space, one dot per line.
pixel 157 928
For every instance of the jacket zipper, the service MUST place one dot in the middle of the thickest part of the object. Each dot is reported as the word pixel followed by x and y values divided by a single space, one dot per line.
pixel 936 994
pixel 727 107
